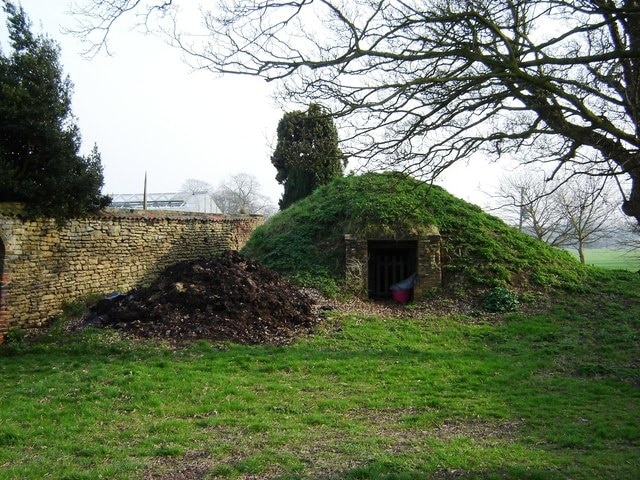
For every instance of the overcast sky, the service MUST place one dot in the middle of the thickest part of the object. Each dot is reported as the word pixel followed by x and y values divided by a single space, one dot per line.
pixel 148 112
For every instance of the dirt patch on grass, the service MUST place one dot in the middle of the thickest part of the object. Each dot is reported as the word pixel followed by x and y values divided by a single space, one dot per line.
pixel 327 453
pixel 191 466
pixel 228 298
pixel 479 430
pixel 397 426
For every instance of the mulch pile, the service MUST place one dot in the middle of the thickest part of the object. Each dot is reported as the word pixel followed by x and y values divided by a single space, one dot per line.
pixel 229 298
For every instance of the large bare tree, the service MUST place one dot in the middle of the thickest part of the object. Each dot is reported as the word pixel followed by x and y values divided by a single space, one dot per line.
pixel 195 186
pixel 422 84
pixel 588 210
pixel 242 193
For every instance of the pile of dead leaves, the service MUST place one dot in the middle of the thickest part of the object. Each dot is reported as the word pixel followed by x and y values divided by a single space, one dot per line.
pixel 228 298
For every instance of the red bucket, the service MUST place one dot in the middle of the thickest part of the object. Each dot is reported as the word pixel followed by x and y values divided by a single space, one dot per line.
pixel 401 296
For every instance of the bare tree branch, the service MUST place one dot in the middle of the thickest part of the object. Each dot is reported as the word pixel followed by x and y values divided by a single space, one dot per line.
pixel 422 84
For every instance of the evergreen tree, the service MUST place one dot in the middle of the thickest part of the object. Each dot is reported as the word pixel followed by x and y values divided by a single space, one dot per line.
pixel 307 153
pixel 39 142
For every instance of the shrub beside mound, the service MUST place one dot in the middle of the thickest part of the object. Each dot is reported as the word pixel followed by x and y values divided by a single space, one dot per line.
pixel 306 241
pixel 500 299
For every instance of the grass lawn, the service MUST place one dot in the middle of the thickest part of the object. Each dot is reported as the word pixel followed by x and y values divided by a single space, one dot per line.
pixel 612 258
pixel 549 395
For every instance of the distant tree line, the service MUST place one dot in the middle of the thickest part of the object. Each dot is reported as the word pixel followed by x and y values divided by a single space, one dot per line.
pixel 577 212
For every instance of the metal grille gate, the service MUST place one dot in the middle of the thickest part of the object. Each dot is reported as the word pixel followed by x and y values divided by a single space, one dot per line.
pixel 389 262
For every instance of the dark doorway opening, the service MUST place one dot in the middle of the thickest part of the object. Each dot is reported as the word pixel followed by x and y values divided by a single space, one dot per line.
pixel 389 262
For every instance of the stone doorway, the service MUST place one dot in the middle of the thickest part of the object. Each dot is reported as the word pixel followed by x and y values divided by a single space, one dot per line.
pixel 374 264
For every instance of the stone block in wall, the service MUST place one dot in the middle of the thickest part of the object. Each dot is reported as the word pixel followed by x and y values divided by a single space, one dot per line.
pixel 356 264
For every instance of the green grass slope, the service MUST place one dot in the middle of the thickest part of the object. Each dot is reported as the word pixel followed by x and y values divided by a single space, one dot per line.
pixel 306 240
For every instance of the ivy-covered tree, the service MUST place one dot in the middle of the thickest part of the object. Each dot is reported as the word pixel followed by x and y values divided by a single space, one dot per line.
pixel 307 153
pixel 39 142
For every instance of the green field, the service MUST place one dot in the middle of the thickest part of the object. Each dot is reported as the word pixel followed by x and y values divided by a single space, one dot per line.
pixel 612 258
pixel 550 394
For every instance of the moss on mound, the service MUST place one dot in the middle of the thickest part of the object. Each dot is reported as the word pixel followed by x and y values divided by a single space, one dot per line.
pixel 306 241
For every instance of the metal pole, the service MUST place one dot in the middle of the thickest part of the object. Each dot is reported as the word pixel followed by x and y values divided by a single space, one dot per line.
pixel 144 193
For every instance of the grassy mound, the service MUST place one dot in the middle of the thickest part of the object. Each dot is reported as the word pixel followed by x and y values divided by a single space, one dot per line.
pixel 306 241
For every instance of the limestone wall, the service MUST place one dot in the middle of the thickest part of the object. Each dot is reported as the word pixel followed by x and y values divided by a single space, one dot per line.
pixel 43 265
